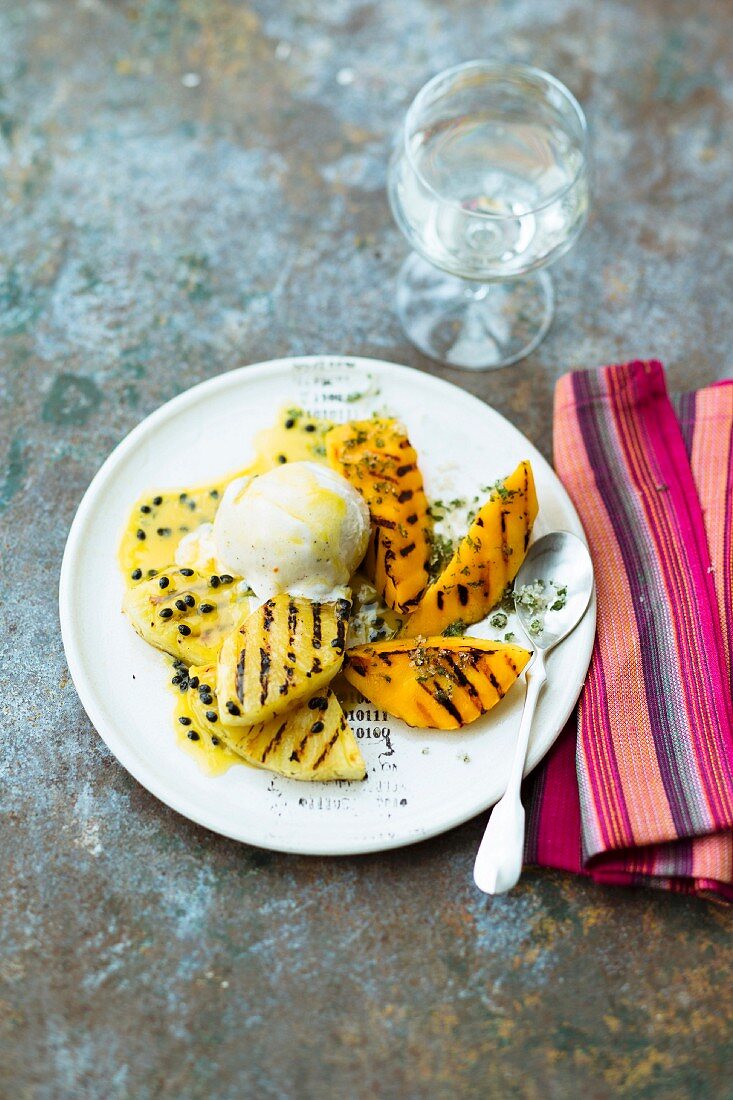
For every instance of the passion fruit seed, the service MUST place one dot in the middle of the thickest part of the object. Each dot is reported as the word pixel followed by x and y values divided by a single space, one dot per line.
pixel 192 735
pixel 189 600
pixel 186 572
pixel 233 708
pixel 193 682
pixel 136 574
pixel 225 578
pixel 180 605
pixel 212 716
pixel 214 581
pixel 157 500
pixel 214 739
pixel 184 720
pixel 289 423
pixel 166 613
pixel 140 534
pixel 184 630
pixel 145 508
pixel 205 608
pixel 164 582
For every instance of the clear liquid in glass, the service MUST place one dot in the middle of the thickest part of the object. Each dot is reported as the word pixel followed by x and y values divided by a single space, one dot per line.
pixel 529 176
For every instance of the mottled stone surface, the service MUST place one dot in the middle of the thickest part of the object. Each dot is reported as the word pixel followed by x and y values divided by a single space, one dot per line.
pixel 190 186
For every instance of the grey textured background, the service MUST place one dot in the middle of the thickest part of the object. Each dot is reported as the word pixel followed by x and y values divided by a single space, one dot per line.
pixel 158 228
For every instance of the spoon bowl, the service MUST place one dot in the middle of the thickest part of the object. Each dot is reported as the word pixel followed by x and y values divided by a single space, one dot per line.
pixel 563 558
pixel 559 561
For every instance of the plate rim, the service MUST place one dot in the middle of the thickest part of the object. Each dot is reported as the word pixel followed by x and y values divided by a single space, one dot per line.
pixel 72 649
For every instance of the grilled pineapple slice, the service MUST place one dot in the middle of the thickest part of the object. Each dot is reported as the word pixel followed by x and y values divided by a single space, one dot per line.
pixel 312 742
pixel 486 560
pixel 377 458
pixel 186 614
pixel 436 683
pixel 284 652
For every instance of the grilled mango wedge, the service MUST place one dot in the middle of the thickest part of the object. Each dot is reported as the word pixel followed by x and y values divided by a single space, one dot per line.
pixel 377 458
pixel 186 614
pixel 486 560
pixel 435 683
pixel 284 652
pixel 312 742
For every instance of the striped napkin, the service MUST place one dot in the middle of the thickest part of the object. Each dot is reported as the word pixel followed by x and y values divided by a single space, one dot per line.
pixel 639 787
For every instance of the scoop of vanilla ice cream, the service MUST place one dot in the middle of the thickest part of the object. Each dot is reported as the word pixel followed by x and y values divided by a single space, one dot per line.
pixel 299 528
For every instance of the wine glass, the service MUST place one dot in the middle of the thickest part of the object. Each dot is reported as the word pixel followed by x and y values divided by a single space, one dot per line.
pixel 488 183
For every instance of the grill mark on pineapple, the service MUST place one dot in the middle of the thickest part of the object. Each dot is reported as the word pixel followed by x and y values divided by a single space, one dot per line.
pixel 407 550
pixel 462 594
pixel 439 598
pixel 264 675
pixel 382 521
pixel 267 615
pixel 239 683
pixel 317 627
pixel 292 623
pixel 405 495
pixel 443 699
pixel 274 742
pixel 295 754
pixel 327 750
pixel 340 638
pixel 411 519
pixel 402 470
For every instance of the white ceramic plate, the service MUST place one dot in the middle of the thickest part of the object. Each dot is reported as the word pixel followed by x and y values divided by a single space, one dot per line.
pixel 419 783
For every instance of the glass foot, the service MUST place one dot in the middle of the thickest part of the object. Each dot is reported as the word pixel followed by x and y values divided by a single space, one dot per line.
pixel 476 326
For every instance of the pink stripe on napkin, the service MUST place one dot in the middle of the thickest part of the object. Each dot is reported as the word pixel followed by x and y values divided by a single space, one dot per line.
pixel 640 787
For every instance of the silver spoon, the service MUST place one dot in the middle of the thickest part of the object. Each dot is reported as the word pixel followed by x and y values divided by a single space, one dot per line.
pixel 563 558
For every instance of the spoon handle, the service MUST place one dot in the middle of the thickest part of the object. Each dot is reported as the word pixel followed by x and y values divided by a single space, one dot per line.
pixel 499 858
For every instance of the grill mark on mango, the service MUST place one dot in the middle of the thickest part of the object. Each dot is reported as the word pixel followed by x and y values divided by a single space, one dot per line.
pixel 460 675
pixel 443 699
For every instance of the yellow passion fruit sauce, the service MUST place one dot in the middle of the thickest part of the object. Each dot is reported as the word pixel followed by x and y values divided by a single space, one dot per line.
pixel 161 518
